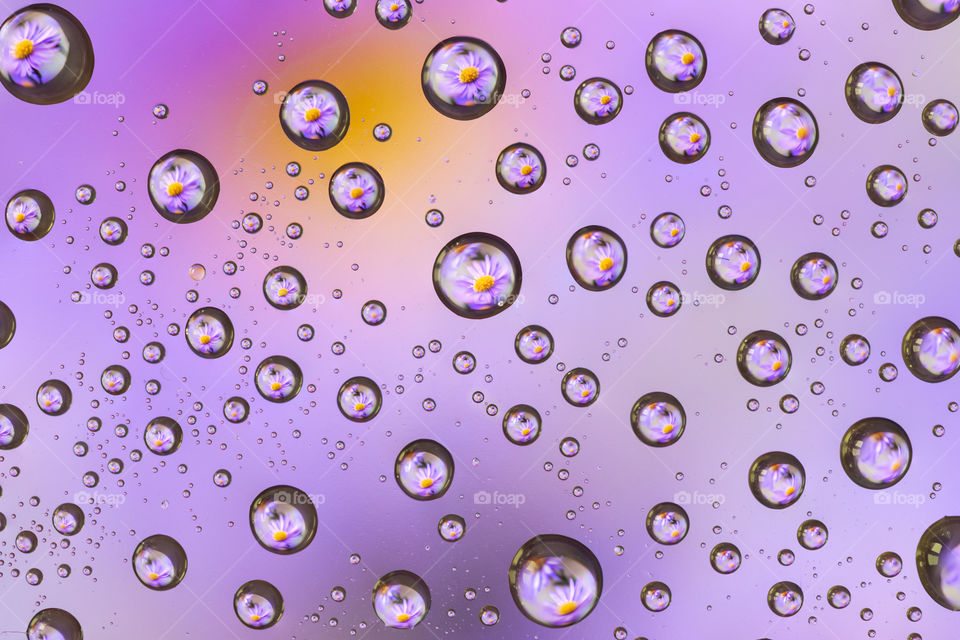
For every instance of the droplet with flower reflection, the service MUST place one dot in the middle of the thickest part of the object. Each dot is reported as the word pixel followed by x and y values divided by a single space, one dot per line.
pixel 814 276
pixel 555 581
pixel 424 469
pixel 886 186
pixel 401 599
pixel 596 257
pixel 667 230
pixel 13 426
pixel 113 230
pixel 725 558
pixel 159 562
pixel 931 349
pixel 785 132
pixel 163 435
pixel 464 362
pixel 340 8
pixel 183 186
pixel 278 379
pixel 68 519
pixel 854 349
pixel 675 61
pixel 777 26
pixel 733 262
pixel 284 288
pixel 258 604
pixel 45 55
pixel 359 399
pixel 764 358
pixel 115 379
pixel 684 137
pixel 236 409
pixel 940 117
pixel 597 100
pixel 283 519
pixel 875 453
pixel 838 596
pixel 463 78
pixel 521 168
pixel 373 312
pixel 664 299
pixel 521 424
pixel 927 14
pixel 580 387
pixel 655 596
pixel 477 275
pixel 209 332
pixel 356 190
pixel 53 624
pixel 785 599
pixel 393 14
pixel 29 214
pixel 938 562
pixel 54 397
pixel 889 564
pixel 667 523
pixel 534 344
pixel 776 479
pixel 103 276
pixel 451 527
pixel 314 115
pixel 874 92
pixel 658 419
pixel 812 534
pixel 8 325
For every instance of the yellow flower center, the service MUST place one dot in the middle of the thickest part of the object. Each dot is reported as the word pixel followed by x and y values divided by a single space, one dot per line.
pixel 891 91
pixel 22 49
pixel 826 279
pixel 525 431
pixel 687 58
pixel 802 133
pixel 312 114
pixel 585 393
pixel 359 406
pixel 896 466
pixel 469 74
pixel 426 483
pixel 356 192
pixel 785 24
pixel 275 386
pixel 526 170
pixel 150 576
pixel 538 349
pixel 204 339
pixel 174 189
pixel 776 365
pixel 403 617
pixel 19 217
pixel 279 536
pixel 668 428
pixel 674 232
pixel 744 266
pixel 566 608
pixel 255 618
pixel 606 264
pixel 282 292
pixel 158 443
pixel 790 491
pixel 394 6
pixel 483 283
pixel 604 99
pixel 694 137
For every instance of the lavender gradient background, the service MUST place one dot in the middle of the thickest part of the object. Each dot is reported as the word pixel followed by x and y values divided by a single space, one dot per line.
pixel 200 58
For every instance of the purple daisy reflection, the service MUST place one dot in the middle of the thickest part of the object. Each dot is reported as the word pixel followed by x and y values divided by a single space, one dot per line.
pixel 354 190
pixel 599 99
pixel 392 10
pixel 466 74
pixel 23 215
pixel 312 113
pixel 522 167
pixel 790 130
pixel 177 185
pixel 33 49
pixel 484 282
